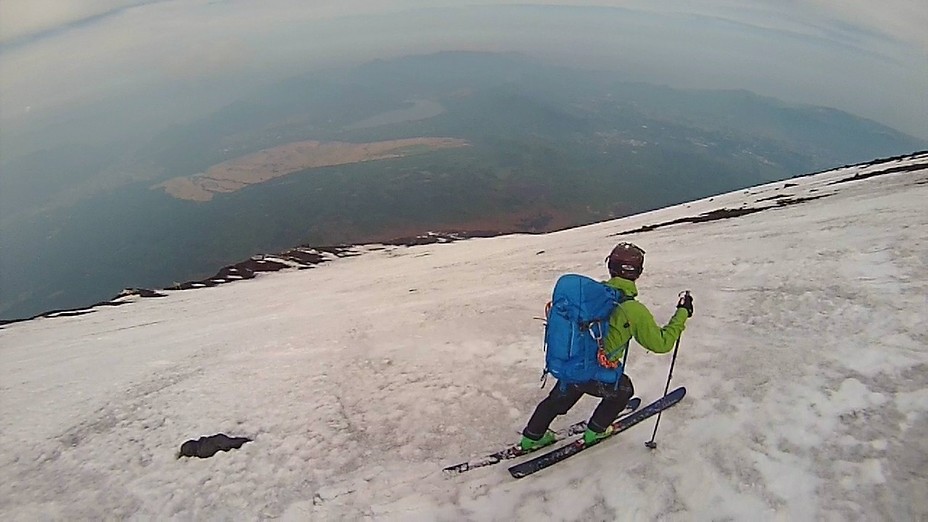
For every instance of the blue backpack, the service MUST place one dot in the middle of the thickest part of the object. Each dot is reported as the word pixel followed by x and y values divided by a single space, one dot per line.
pixel 577 322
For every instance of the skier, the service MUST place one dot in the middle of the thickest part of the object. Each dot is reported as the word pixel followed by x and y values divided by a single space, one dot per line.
pixel 630 319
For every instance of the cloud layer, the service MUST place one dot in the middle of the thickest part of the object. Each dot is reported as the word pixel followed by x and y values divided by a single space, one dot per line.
pixel 901 19
pixel 55 54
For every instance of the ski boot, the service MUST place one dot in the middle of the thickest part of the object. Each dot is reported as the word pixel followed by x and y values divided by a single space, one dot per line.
pixel 592 437
pixel 547 439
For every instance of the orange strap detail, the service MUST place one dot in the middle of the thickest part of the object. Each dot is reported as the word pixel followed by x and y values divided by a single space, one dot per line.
pixel 604 361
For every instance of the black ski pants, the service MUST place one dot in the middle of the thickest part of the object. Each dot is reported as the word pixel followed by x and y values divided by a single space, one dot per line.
pixel 559 402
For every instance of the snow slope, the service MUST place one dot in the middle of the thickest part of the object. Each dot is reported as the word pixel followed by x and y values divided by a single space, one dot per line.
pixel 806 364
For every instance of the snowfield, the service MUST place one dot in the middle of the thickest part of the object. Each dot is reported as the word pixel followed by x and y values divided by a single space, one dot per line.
pixel 806 364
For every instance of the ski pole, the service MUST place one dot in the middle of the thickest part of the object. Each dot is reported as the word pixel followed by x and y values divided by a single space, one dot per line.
pixel 651 444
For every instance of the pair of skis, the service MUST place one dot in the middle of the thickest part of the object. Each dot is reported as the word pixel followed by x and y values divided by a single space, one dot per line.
pixel 516 451
pixel 633 417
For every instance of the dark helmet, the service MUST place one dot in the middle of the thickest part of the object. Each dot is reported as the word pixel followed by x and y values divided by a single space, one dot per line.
pixel 626 261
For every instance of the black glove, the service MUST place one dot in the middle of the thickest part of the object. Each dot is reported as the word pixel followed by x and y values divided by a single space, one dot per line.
pixel 686 303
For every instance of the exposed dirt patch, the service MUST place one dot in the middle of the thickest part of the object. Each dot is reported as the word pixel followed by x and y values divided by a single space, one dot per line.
pixel 267 164
pixel 914 155
pixel 722 213
pixel 118 300
pixel 300 257
pixel 891 170
pixel 772 198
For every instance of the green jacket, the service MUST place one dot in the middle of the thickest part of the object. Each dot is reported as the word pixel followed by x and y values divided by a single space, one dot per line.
pixel 632 319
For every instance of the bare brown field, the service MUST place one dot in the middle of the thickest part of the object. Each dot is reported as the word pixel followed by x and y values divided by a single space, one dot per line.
pixel 265 165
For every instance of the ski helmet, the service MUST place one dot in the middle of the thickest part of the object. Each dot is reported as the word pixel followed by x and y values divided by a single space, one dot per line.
pixel 626 261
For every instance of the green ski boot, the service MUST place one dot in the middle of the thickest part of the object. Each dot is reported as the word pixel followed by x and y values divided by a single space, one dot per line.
pixel 592 437
pixel 547 439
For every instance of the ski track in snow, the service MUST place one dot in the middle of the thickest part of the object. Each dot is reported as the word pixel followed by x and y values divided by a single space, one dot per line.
pixel 806 365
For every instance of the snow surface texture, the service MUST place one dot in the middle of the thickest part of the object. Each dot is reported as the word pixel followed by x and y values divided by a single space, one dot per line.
pixel 806 364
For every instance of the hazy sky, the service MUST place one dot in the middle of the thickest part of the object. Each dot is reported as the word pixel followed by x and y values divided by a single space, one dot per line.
pixel 173 58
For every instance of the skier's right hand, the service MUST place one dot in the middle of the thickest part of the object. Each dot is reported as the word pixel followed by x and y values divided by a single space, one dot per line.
pixel 686 303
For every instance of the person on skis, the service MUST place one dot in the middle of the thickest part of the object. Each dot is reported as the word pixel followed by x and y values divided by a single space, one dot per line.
pixel 630 319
